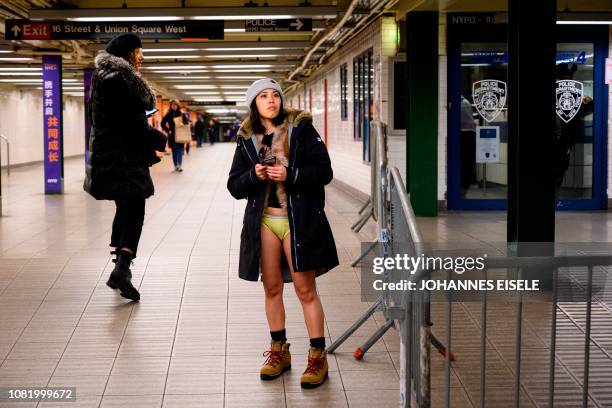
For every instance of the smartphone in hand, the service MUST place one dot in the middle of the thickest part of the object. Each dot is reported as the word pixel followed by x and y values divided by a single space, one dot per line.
pixel 269 161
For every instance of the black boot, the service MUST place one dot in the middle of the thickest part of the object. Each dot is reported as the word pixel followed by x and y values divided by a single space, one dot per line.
pixel 121 276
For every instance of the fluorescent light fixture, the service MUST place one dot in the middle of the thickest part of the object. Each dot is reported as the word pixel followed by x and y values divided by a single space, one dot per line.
pixel 240 56
pixel 218 111
pixel 22 73
pixel 170 56
pixel 70 80
pixel 244 49
pixel 139 18
pixel 15 59
pixel 234 87
pixel 195 86
pixel 586 22
pixel 74 93
pixel 179 71
pixel 20 81
pixel 169 49
pixel 210 99
pixel 158 67
pixel 6 51
pixel 186 77
pixel 20 69
pixel 272 16
pixel 242 66
pixel 233 93
pixel 202 93
pixel 239 77
pixel 221 71
pixel 234 30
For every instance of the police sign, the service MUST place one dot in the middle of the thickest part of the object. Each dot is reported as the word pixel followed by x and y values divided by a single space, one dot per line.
pixel 272 25
pixel 569 98
pixel 78 30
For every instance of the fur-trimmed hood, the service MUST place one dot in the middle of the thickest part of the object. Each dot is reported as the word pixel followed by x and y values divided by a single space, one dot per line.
pixel 293 116
pixel 135 82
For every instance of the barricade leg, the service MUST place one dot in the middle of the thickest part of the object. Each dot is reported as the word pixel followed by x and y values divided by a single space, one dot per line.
pixel 358 225
pixel 355 325
pixel 360 351
pixel 363 255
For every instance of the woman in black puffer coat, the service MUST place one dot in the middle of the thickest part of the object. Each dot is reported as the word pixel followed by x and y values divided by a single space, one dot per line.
pixel 122 147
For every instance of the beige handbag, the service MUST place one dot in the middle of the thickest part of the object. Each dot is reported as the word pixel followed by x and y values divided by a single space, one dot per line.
pixel 182 132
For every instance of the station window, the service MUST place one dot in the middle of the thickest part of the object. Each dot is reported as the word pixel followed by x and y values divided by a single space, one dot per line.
pixel 399 95
pixel 344 92
pixel 363 102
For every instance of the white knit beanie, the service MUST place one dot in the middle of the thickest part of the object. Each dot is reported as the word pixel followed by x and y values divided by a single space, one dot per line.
pixel 261 85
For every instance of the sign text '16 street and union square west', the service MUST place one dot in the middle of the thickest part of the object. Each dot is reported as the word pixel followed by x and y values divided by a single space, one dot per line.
pixel 78 30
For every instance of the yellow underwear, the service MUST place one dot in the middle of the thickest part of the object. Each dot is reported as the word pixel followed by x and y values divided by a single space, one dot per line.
pixel 278 224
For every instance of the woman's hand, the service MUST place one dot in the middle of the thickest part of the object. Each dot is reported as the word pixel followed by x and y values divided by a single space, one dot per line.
pixel 260 171
pixel 278 172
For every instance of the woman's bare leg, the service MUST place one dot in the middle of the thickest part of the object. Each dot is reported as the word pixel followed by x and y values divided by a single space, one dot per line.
pixel 306 291
pixel 272 279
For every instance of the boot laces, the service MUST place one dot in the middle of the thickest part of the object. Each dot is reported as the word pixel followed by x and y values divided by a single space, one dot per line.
pixel 274 357
pixel 314 364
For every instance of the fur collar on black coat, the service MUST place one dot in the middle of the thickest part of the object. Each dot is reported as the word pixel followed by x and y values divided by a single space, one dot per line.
pixel 106 62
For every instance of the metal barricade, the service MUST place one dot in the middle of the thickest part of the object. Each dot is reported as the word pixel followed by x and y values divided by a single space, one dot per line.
pixel 513 380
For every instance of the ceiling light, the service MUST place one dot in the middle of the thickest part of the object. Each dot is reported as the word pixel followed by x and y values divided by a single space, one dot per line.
pixel 276 16
pixel 170 56
pixel 20 69
pixel 6 51
pixel 588 22
pixel 15 59
pixel 239 77
pixel 233 87
pixel 179 71
pixel 21 81
pixel 157 67
pixel 221 71
pixel 187 77
pixel 244 49
pixel 134 18
pixel 195 86
pixel 234 30
pixel 169 49
pixel 22 73
pixel 202 93
pixel 242 66
pixel 241 56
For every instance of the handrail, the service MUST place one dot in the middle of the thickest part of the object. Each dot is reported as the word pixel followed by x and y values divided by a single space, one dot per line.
pixel 397 181
pixel 8 155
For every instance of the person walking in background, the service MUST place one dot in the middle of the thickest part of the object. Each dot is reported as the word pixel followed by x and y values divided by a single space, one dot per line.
pixel 169 126
pixel 281 166
pixel 199 130
pixel 122 147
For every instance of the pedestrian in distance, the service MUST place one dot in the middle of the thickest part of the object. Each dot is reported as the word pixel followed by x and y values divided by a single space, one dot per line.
pixel 169 126
pixel 122 148
pixel 199 130
pixel 281 166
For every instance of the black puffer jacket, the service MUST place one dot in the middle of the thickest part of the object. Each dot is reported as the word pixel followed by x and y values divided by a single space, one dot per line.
pixel 122 144
pixel 312 242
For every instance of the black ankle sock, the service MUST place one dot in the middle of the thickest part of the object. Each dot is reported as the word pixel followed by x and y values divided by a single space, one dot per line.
pixel 279 335
pixel 318 342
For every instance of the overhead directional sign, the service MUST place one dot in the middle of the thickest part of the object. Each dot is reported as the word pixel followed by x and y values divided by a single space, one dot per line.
pixel 79 30
pixel 266 24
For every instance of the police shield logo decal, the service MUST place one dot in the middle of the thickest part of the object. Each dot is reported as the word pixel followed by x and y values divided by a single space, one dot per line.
pixel 569 98
pixel 489 96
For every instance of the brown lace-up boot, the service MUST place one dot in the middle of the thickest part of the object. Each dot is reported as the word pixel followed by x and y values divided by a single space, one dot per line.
pixel 316 371
pixel 278 361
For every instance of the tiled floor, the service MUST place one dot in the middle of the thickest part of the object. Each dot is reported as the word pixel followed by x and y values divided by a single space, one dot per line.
pixel 196 338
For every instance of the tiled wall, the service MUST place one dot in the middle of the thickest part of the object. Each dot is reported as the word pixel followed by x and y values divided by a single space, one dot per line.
pixel 346 153
pixel 442 108
pixel 21 121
